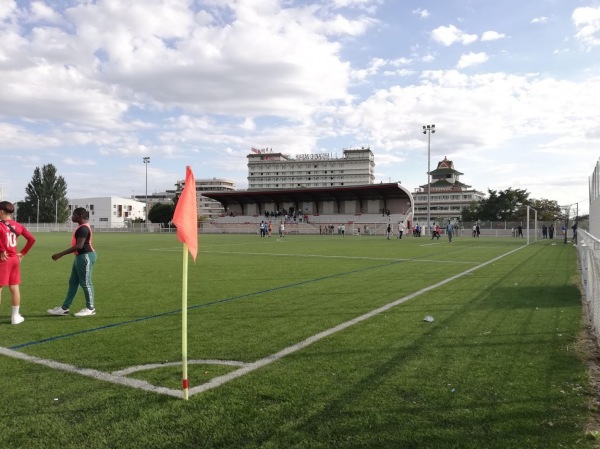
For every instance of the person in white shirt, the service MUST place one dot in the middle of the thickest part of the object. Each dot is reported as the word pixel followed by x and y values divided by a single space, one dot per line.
pixel 400 229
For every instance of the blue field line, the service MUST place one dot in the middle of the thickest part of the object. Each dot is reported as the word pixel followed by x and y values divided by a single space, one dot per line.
pixel 172 312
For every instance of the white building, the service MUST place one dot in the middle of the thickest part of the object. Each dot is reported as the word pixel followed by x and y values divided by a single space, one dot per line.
pixel 448 198
pixel 110 211
pixel 268 170
pixel 207 207
pixel 156 198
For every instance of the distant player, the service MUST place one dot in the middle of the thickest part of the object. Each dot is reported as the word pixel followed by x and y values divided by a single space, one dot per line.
pixel 400 229
pixel 449 231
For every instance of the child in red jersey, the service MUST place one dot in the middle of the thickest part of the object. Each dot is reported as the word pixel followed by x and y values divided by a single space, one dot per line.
pixel 10 257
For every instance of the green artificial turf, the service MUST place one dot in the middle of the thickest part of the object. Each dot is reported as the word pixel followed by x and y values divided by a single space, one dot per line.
pixel 495 369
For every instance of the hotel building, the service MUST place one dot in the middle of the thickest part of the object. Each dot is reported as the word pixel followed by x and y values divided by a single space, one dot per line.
pixel 268 170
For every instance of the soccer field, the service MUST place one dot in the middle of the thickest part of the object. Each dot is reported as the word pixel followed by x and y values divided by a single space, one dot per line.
pixel 300 342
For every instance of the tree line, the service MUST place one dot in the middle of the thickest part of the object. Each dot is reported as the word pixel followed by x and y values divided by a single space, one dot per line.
pixel 45 198
pixel 511 205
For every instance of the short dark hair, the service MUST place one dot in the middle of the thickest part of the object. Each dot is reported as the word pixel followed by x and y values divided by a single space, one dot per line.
pixel 7 207
pixel 81 212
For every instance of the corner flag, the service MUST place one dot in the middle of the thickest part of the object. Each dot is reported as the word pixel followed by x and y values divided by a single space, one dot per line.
pixel 186 214
pixel 186 220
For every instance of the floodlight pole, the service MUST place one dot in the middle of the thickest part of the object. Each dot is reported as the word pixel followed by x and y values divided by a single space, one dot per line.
pixel 567 213
pixel 428 129
pixel 146 162
pixel 38 209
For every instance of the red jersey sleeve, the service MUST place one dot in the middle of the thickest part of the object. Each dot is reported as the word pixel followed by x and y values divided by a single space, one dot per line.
pixel 22 230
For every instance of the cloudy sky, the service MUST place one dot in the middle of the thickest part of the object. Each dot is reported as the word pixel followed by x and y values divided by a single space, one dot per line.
pixel 93 86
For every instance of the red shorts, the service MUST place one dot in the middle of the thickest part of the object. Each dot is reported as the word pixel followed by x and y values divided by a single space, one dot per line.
pixel 10 271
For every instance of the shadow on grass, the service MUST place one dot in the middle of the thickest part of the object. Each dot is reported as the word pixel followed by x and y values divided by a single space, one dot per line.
pixel 460 385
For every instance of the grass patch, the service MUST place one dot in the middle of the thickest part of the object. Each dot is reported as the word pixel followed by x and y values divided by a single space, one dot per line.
pixel 499 367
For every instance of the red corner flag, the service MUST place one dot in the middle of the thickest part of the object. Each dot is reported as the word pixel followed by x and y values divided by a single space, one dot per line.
pixel 186 214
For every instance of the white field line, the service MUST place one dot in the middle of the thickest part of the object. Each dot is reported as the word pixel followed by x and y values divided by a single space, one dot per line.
pixel 135 369
pixel 99 375
pixel 321 256
pixel 117 377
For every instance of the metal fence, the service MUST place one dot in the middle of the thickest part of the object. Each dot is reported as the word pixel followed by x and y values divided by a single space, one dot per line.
pixel 70 227
pixel 588 248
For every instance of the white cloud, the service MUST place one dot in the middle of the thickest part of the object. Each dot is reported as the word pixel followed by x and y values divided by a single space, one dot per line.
pixel 377 65
pixel 268 61
pixel 346 3
pixel 540 19
pixel 15 137
pixel 492 36
pixel 42 12
pixel 481 113
pixel 7 9
pixel 365 5
pixel 587 23
pixel 400 72
pixel 471 59
pixel 422 13
pixel 248 125
pixel 400 62
pixel 448 35
pixel 78 162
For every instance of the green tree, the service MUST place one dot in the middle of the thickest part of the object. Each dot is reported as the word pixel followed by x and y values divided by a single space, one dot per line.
pixel 471 212
pixel 548 210
pixel 48 191
pixel 509 204
pixel 161 213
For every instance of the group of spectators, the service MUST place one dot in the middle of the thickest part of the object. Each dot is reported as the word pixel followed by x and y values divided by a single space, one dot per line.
pixel 289 215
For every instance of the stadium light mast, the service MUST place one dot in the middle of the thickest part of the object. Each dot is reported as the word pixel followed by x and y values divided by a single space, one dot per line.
pixel 146 162
pixel 38 208
pixel 428 129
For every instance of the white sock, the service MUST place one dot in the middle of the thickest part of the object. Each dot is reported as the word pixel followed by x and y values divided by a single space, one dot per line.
pixel 15 310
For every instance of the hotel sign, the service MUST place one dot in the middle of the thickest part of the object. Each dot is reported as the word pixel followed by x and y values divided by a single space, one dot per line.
pixel 322 156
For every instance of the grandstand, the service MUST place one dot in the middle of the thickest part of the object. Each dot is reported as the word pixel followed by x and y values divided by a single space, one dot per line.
pixel 308 211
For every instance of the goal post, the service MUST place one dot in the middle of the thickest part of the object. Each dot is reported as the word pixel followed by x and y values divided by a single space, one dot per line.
pixel 531 211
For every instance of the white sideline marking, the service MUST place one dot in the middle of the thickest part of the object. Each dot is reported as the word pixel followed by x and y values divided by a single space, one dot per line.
pixel 323 256
pixel 100 375
pixel 117 377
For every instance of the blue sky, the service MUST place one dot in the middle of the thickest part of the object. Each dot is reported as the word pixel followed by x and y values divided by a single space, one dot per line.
pixel 94 86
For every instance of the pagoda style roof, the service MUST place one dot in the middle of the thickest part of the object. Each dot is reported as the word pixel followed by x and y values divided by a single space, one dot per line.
pixel 445 167
pixel 445 171
pixel 443 184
